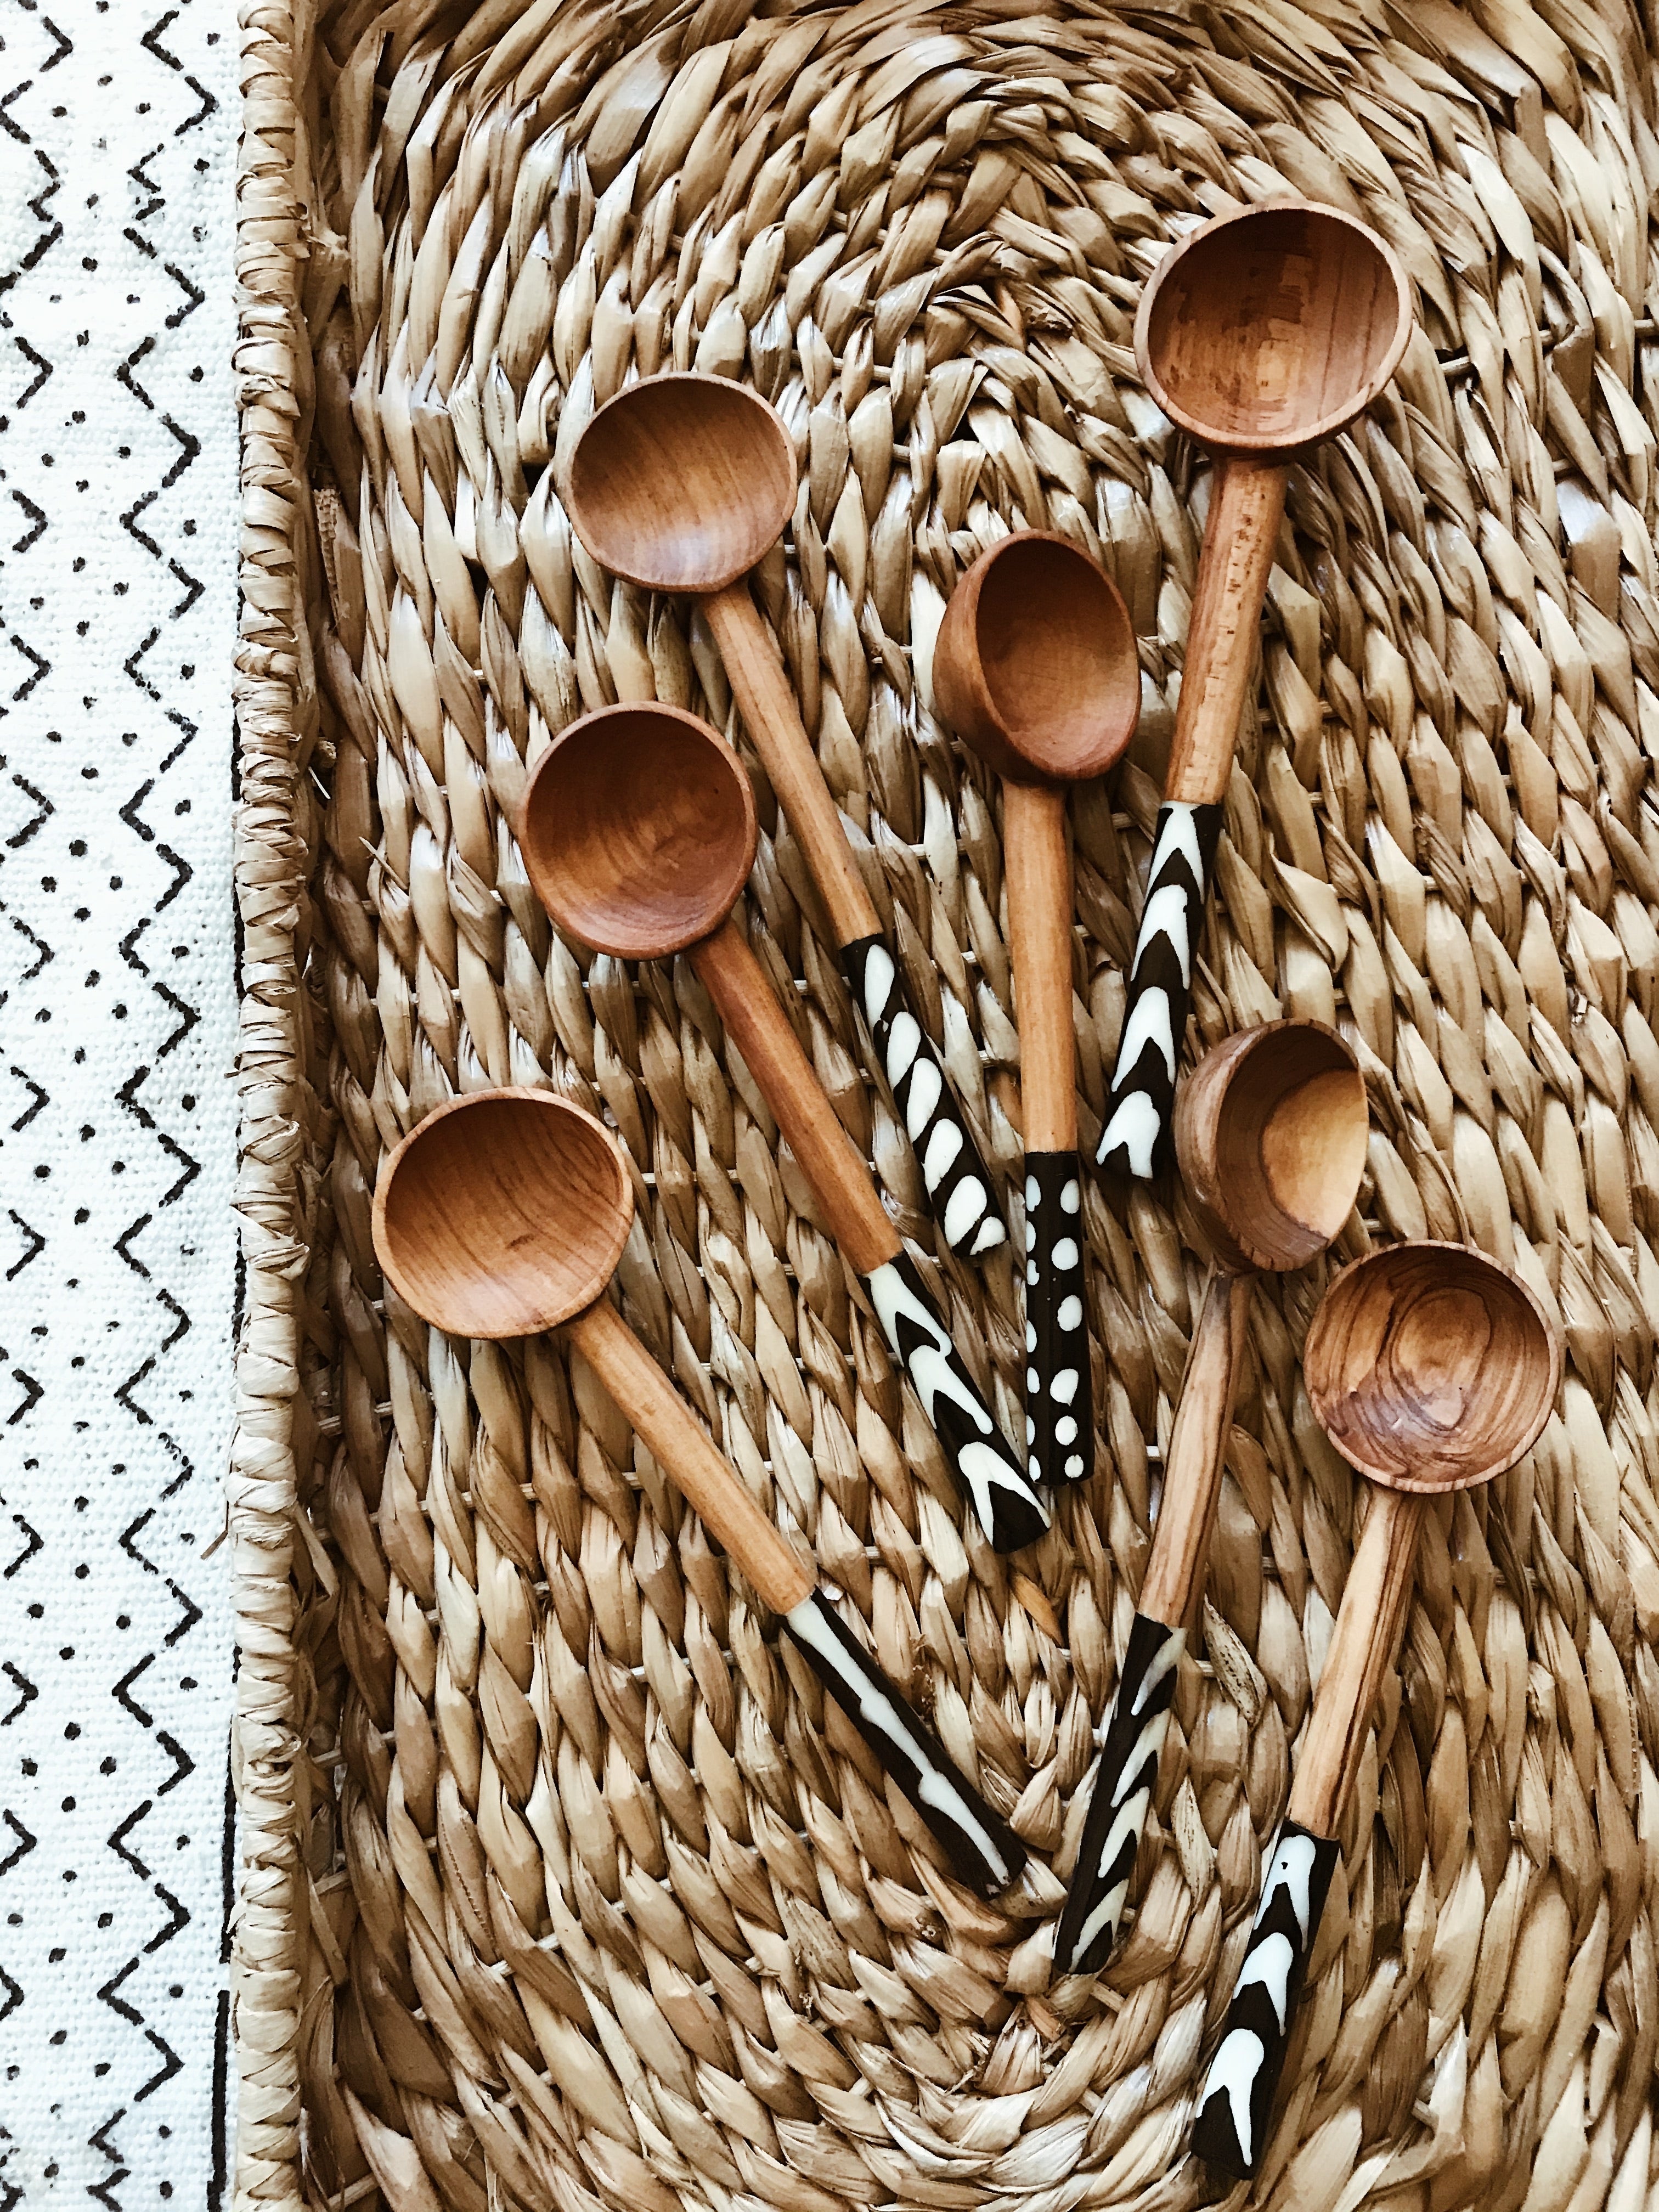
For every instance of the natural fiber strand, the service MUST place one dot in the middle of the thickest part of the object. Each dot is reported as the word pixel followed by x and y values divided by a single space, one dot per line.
pixel 603 1905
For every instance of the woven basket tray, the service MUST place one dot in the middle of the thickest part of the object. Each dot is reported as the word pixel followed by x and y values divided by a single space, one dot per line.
pixel 553 1889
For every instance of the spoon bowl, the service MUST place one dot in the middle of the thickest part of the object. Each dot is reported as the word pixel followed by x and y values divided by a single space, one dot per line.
pixel 638 830
pixel 1271 329
pixel 681 482
pixel 1430 1368
pixel 1271 1130
pixel 1036 665
pixel 505 1213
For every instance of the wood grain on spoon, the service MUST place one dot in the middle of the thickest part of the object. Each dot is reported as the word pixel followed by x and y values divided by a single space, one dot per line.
pixel 1271 1130
pixel 681 482
pixel 1432 1369
pixel 1261 333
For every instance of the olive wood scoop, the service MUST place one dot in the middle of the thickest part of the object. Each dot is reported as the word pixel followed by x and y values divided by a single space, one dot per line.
pixel 1261 334
pixel 1431 1368
pixel 1035 666
pixel 638 831
pixel 681 482
pixel 504 1214
pixel 1270 1133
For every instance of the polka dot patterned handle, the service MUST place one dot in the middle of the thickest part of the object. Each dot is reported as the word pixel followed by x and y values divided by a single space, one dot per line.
pixel 958 1185
pixel 1059 1439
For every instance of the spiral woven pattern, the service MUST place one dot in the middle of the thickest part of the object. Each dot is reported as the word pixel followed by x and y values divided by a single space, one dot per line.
pixel 563 1885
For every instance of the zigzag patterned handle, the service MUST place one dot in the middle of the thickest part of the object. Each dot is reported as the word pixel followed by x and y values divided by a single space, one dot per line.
pixel 1142 1097
pixel 959 1185
pixel 1230 2131
pixel 1124 1781
pixel 1008 1508
pixel 984 1852
pixel 1060 1427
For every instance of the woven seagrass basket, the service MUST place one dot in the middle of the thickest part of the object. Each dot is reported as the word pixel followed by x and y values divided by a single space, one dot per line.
pixel 552 1889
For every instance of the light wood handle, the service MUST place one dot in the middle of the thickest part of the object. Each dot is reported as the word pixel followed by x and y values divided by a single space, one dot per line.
pixel 1237 2101
pixel 1362 1648
pixel 1247 503
pixel 760 1029
pixel 701 1473
pixel 759 680
pixel 1038 865
pixel 1198 1454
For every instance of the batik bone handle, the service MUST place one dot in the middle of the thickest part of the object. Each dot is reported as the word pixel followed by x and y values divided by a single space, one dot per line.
pixel 1239 537
pixel 1239 2090
pixel 1138 1721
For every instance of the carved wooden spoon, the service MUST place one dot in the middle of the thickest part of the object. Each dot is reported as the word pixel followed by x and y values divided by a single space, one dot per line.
pixel 681 484
pixel 504 1214
pixel 1035 667
pixel 1270 1132
pixel 638 832
pixel 1431 1368
pixel 1261 333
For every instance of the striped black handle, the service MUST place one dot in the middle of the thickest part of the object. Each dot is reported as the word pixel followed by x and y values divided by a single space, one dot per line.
pixel 984 1852
pixel 1141 1101
pixel 1059 1429
pixel 1008 1508
pixel 1124 1781
pixel 1230 2131
pixel 958 1186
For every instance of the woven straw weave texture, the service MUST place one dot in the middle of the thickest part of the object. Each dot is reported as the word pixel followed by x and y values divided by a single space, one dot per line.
pixel 558 1885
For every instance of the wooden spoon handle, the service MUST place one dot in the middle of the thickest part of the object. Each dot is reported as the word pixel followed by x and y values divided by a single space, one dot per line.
pixel 1060 1416
pixel 687 1455
pixel 1140 1716
pixel 759 1028
pixel 760 683
pixel 1237 2100
pixel 960 1194
pixel 959 1191
pixel 1009 1510
pixel 983 1850
pixel 1246 505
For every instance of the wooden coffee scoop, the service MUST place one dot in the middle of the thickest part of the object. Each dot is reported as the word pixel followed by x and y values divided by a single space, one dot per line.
pixel 504 1214
pixel 1035 666
pixel 1431 1368
pixel 1261 333
pixel 681 484
pixel 1270 1132
pixel 638 831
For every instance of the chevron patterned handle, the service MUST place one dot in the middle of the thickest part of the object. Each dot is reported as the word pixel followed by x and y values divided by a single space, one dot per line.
pixel 1008 1510
pixel 1141 1101
pixel 1124 1781
pixel 959 1185
pixel 984 1852
pixel 1060 1428
pixel 1230 2131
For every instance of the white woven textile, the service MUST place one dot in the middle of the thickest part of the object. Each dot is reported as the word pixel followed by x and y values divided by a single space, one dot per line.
pixel 117 535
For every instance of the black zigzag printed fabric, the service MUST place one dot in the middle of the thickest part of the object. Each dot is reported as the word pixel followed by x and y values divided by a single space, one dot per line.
pixel 117 1284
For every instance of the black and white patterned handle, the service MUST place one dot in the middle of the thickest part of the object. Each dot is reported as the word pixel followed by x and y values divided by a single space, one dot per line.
pixel 1060 1428
pixel 1141 1100
pixel 1236 2102
pixel 959 1192
pixel 984 1852
pixel 1124 1781
pixel 1008 1508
